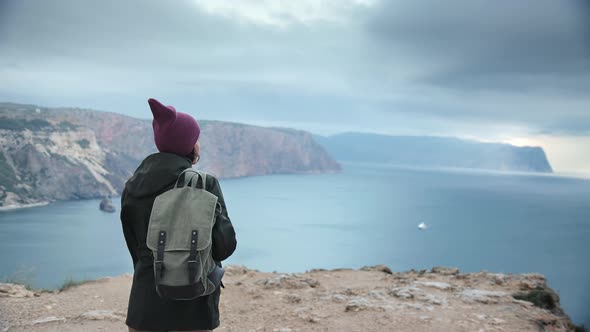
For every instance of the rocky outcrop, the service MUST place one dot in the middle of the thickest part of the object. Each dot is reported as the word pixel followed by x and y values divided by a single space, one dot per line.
pixel 106 205
pixel 371 299
pixel 14 290
pixel 51 154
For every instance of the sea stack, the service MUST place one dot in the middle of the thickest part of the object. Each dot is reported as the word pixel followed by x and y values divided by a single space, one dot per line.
pixel 106 205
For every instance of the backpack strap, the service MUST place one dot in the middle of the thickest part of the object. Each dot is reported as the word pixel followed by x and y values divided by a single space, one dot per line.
pixel 192 179
pixel 160 255
pixel 192 257
pixel 190 169
pixel 203 176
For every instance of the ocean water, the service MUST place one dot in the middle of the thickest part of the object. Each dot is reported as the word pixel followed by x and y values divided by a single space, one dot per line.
pixel 366 215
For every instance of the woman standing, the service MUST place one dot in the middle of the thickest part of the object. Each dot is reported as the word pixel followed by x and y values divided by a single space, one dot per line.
pixel 176 136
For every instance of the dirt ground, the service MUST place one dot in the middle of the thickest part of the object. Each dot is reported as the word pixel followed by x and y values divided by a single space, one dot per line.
pixel 370 299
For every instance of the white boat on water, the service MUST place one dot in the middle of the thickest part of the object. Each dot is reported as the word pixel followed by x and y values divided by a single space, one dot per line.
pixel 422 226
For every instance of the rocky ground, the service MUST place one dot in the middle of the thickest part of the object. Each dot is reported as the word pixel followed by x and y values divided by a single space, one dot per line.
pixel 370 299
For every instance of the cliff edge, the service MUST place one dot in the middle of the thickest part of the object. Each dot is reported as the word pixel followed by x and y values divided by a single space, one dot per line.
pixel 369 299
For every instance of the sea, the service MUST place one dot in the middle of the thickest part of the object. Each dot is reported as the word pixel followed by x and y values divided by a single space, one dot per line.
pixel 366 215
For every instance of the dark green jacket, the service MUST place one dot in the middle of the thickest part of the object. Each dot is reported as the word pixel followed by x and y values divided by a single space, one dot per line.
pixel 147 311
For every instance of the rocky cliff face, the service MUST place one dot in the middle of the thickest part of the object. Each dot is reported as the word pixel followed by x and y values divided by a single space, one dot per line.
pixel 51 154
pixel 425 151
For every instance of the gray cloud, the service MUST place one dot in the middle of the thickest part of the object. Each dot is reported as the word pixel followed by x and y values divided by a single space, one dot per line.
pixel 477 42
pixel 524 62
pixel 468 68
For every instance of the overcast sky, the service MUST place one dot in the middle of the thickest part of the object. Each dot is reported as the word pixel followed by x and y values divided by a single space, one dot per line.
pixel 515 71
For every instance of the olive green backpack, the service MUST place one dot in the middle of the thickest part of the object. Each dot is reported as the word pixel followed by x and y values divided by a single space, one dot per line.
pixel 179 235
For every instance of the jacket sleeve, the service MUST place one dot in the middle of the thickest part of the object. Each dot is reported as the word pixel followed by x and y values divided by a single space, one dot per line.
pixel 128 233
pixel 223 236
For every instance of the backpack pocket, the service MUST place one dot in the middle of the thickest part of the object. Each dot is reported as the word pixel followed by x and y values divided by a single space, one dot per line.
pixel 172 278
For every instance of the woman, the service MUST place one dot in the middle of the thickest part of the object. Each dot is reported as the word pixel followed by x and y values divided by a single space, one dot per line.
pixel 176 136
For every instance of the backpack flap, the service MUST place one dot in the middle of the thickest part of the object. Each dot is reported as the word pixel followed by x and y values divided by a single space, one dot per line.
pixel 178 212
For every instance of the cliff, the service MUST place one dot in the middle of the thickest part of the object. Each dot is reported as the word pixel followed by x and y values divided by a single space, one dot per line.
pixel 424 151
pixel 51 154
pixel 370 299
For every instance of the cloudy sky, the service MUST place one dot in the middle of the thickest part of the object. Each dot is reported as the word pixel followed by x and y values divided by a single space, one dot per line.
pixel 513 71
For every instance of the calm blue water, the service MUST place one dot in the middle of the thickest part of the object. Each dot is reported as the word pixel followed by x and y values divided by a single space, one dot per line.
pixel 366 215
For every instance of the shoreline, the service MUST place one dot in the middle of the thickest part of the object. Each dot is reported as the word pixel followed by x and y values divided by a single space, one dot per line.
pixel 573 176
pixel 13 207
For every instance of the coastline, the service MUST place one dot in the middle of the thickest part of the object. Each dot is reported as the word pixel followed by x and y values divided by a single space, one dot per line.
pixel 372 298
pixel 13 207
pixel 574 176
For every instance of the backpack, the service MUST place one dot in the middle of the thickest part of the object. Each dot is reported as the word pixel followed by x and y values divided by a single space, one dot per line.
pixel 179 235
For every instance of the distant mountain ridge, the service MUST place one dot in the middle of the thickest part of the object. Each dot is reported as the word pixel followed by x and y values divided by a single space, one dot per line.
pixel 49 154
pixel 428 151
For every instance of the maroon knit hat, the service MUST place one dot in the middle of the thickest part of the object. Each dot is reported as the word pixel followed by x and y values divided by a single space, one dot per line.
pixel 174 132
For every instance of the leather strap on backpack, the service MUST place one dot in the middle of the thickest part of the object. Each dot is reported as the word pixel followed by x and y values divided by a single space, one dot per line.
pixel 160 255
pixel 192 258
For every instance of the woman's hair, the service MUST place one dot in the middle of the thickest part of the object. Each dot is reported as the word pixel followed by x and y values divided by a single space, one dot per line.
pixel 191 155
